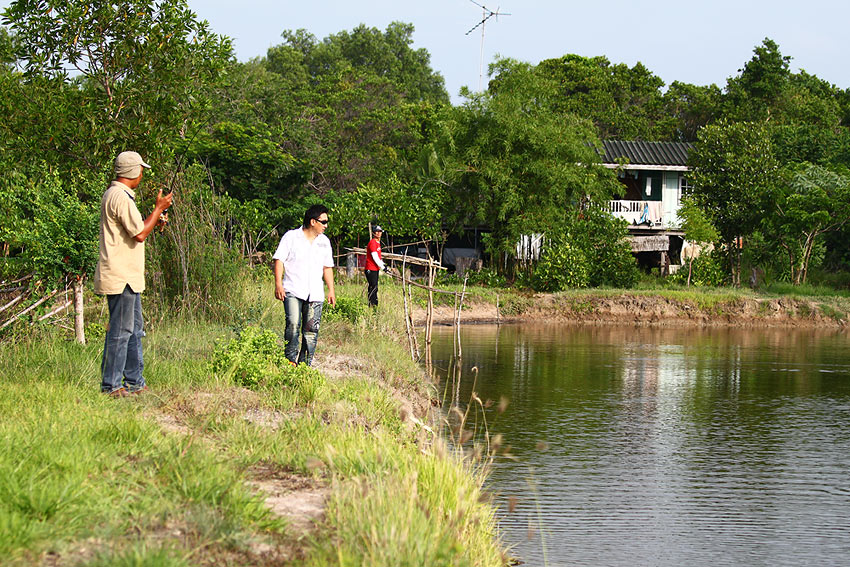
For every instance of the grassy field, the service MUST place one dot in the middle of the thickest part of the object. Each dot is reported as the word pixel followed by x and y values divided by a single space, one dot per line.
pixel 171 477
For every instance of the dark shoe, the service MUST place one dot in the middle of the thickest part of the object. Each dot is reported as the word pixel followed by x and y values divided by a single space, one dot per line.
pixel 119 393
pixel 141 390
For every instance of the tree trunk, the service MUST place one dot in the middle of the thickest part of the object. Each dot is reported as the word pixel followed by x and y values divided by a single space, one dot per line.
pixel 79 316
pixel 690 268
pixel 806 256
pixel 792 261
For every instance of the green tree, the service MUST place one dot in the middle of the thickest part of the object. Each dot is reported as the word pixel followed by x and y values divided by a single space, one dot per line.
pixel 759 86
pixel 103 76
pixel 735 181
pixel 512 163
pixel 386 54
pixel 697 227
pixel 401 208
pixel 7 50
pixel 692 107
pixel 623 102
pixel 815 201
pixel 343 129
pixel 362 131
pixel 100 77
pixel 247 162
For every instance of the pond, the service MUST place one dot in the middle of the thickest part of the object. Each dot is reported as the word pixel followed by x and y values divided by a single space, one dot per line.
pixel 646 446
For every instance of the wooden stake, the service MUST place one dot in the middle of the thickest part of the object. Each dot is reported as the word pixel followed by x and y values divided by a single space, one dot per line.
pixel 79 306
pixel 457 319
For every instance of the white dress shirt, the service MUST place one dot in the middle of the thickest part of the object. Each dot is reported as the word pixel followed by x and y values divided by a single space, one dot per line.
pixel 304 263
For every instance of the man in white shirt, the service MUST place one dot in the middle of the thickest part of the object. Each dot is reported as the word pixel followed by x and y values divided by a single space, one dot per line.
pixel 304 259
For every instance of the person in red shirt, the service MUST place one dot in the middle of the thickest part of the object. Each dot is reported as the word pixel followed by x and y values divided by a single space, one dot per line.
pixel 374 263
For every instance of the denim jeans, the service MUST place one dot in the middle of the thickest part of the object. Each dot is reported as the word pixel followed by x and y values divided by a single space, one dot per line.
pixel 302 328
pixel 122 350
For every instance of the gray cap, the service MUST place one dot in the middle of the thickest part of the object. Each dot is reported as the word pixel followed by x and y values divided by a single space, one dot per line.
pixel 129 165
pixel 377 228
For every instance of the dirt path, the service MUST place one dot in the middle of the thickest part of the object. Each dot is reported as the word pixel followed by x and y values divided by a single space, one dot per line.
pixel 297 498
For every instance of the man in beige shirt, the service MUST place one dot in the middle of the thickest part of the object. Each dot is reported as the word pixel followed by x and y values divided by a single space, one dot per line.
pixel 120 275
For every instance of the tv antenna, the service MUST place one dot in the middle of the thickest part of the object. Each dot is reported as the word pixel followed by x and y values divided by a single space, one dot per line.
pixel 486 14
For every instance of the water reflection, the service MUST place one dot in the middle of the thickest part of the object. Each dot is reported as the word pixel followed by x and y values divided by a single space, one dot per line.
pixel 668 446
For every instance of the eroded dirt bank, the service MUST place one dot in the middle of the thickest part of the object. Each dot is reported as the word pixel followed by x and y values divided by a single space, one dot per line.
pixel 641 309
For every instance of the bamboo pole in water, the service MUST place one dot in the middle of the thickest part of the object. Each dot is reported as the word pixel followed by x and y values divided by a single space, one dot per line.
pixel 429 317
pixel 408 320
pixel 459 303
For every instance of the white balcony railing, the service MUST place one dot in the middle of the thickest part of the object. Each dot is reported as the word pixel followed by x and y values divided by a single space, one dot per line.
pixel 646 213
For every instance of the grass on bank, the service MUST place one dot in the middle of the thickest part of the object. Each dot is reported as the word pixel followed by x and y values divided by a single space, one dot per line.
pixel 162 479
pixel 513 301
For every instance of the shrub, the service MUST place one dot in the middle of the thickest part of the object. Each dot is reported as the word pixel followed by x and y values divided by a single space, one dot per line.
pixel 351 309
pixel 253 357
pixel 487 277
pixel 516 305
pixel 707 271
pixel 191 264
pixel 256 361
pixel 604 240
pixel 562 265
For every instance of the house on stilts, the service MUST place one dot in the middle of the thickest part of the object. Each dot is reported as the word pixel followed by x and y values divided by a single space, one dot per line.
pixel 654 175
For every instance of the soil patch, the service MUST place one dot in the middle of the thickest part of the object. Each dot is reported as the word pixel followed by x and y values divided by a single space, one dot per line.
pixel 297 498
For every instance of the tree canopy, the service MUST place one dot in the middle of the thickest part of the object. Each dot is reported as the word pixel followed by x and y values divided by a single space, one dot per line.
pixel 103 76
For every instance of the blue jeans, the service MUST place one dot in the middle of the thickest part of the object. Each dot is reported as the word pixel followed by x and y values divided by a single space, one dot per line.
pixel 122 350
pixel 302 328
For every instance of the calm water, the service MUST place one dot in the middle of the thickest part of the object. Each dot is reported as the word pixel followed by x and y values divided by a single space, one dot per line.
pixel 667 447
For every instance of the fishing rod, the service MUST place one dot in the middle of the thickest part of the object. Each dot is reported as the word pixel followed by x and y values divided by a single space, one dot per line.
pixel 178 168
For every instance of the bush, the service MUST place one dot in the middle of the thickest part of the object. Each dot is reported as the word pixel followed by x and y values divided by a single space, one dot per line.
pixel 562 265
pixel 604 240
pixel 351 309
pixel 256 361
pixel 487 277
pixel 190 265
pixel 707 271
pixel 836 280
pixel 516 305
pixel 253 357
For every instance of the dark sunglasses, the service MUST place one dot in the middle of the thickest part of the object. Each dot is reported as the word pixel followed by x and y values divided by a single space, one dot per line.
pixel 324 222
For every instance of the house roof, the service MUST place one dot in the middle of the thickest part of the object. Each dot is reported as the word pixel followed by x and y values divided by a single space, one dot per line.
pixel 646 153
